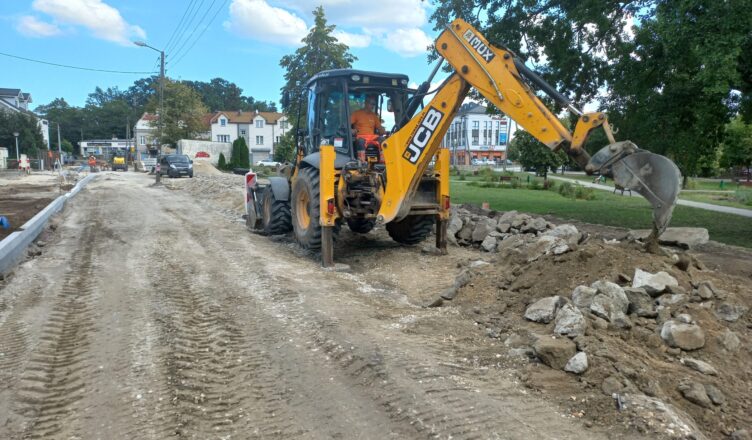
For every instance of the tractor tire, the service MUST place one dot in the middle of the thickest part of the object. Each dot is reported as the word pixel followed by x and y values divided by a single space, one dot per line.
pixel 306 210
pixel 275 214
pixel 361 225
pixel 412 229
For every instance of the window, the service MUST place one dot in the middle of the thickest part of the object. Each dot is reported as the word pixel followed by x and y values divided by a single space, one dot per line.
pixel 259 123
pixel 277 139
pixel 223 138
pixel 283 125
pixel 242 132
pixel 476 125
pixel 223 122
pixel 259 139
pixel 143 140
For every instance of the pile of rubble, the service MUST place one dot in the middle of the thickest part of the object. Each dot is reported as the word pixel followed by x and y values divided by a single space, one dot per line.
pixel 494 232
pixel 658 337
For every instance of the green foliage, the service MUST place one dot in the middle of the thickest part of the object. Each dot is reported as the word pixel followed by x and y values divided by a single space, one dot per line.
pixel 737 145
pixel 320 51
pixel 222 162
pixel 220 94
pixel 184 112
pixel 576 192
pixel 29 137
pixel 66 146
pixel 462 176
pixel 240 157
pixel 743 196
pixel 285 149
pixel 533 154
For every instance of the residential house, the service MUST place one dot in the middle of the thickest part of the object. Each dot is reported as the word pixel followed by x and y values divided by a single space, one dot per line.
pixel 145 132
pixel 262 130
pixel 474 134
pixel 13 100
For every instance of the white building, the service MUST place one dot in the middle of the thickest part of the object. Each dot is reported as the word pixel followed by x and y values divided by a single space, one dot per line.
pixel 261 130
pixel 13 100
pixel 104 147
pixel 146 132
pixel 474 134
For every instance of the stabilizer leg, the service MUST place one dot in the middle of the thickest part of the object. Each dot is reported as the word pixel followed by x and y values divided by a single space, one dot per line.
pixel 441 235
pixel 327 246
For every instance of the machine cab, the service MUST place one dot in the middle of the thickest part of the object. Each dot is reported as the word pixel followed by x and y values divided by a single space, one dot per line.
pixel 334 95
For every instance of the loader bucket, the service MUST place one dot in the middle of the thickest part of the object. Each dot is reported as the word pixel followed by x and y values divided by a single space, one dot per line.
pixel 653 176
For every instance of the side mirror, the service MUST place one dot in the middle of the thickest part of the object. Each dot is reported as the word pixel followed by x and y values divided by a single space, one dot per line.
pixel 389 107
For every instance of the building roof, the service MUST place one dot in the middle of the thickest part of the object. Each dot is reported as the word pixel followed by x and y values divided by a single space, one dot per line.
pixel 246 117
pixel 10 92
pixel 26 96
pixel 149 117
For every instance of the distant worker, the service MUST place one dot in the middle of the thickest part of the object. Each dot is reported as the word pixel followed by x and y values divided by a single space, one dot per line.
pixel 92 162
pixel 365 121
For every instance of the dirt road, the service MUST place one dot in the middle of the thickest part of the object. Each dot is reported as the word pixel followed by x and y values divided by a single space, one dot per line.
pixel 150 315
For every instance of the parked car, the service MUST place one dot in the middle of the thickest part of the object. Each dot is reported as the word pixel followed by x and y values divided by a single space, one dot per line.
pixel 175 165
pixel 202 154
pixel 267 163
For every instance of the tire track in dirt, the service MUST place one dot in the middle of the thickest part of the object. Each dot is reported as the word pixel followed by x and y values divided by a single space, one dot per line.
pixel 215 370
pixel 54 378
pixel 420 385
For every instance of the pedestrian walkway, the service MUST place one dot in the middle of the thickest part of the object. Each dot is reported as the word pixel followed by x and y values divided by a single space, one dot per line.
pixel 690 203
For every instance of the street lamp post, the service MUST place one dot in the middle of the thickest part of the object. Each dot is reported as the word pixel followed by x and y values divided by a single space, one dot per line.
pixel 15 134
pixel 161 94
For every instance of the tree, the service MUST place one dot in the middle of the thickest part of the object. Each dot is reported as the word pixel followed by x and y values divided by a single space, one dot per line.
pixel 66 146
pixel 673 78
pixel 240 157
pixel 220 94
pixel 320 51
pixel 183 112
pixel 285 149
pixel 60 112
pixel 29 137
pixel 737 145
pixel 531 153
pixel 222 162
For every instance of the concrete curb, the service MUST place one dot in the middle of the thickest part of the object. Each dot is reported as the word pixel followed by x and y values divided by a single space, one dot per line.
pixel 12 247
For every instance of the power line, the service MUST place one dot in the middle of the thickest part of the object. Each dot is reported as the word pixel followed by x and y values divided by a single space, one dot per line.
pixel 222 6
pixel 200 21
pixel 174 32
pixel 187 25
pixel 73 67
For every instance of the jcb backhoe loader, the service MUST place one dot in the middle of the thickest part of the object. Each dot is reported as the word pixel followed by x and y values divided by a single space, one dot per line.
pixel 343 177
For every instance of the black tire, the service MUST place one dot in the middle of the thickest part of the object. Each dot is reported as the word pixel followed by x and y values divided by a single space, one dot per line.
pixel 360 225
pixel 412 229
pixel 306 211
pixel 275 214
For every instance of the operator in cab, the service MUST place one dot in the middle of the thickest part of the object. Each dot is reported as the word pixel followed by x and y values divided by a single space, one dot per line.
pixel 365 121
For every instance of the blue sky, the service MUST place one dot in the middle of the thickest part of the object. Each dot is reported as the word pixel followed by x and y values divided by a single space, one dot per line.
pixel 243 44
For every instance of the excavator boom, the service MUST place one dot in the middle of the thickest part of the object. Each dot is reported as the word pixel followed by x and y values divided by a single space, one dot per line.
pixel 505 82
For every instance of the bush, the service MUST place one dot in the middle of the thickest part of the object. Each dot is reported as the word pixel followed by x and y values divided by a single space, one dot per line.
pixel 462 176
pixel 743 196
pixel 584 193
pixel 534 184
pixel 515 183
pixel 222 162
pixel 566 190
pixel 240 155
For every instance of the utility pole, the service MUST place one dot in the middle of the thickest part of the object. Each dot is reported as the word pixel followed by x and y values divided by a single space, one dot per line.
pixel 161 97
pixel 59 148
pixel 18 158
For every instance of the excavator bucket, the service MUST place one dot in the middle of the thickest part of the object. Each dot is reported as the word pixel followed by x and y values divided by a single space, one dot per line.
pixel 653 176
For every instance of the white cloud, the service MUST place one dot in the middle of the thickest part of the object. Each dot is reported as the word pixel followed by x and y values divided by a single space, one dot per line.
pixel 394 13
pixel 33 27
pixel 101 19
pixel 407 42
pixel 353 40
pixel 259 20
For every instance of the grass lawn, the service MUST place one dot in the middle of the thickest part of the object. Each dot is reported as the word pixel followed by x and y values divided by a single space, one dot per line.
pixel 606 209
pixel 714 198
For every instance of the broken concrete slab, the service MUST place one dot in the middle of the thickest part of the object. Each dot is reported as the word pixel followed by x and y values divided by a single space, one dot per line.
pixel 682 237
pixel 653 283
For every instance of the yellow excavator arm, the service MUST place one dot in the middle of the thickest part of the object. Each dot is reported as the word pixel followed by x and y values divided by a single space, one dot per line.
pixel 505 82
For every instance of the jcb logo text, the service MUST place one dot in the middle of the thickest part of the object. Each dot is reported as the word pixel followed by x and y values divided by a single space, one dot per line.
pixel 423 135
